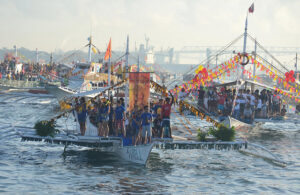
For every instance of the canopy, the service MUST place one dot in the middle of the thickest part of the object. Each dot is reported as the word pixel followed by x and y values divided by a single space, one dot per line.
pixel 90 93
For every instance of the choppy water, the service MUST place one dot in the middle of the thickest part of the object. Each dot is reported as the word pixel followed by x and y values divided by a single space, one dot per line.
pixel 42 168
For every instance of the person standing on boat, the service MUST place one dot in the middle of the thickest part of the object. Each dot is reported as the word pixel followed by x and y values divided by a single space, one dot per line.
pixel 236 111
pixel 276 103
pixel 165 114
pixel 243 98
pixel 157 107
pixel 211 97
pixel 82 114
pixel 103 114
pixel 258 106
pixel 146 125
pixel 135 124
pixel 264 109
pixel 182 95
pixel 221 100
pixel 270 103
pixel 111 117
pixel 119 119
pixel 201 94
pixel 248 114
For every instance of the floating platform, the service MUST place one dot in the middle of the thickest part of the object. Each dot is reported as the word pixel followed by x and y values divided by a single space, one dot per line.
pixel 160 143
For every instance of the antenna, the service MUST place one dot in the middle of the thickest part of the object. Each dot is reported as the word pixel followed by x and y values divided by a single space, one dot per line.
pixel 147 42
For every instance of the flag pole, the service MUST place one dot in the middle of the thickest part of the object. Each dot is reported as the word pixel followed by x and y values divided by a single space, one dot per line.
pixel 109 71
pixel 245 41
pixel 90 46
pixel 126 74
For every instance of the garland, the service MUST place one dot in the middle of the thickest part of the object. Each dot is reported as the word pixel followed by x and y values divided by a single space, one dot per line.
pixel 191 108
pixel 159 88
pixel 197 112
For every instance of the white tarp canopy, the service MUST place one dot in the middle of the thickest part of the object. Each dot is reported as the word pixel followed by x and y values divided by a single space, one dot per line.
pixel 91 93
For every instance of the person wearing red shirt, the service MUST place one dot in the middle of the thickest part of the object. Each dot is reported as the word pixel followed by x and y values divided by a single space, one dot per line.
pixel 165 113
pixel 221 100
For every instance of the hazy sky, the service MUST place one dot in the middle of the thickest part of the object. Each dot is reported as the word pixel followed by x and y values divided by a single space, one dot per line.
pixel 66 24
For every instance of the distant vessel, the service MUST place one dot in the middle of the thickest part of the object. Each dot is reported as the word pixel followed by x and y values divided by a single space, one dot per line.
pixel 83 77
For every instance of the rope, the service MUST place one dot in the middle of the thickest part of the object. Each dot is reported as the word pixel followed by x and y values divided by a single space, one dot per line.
pixel 259 45
pixel 217 53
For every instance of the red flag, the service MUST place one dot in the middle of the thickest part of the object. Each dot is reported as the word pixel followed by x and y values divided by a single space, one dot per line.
pixel 108 51
pixel 251 8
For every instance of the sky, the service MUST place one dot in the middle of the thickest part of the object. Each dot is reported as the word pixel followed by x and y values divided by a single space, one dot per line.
pixel 65 24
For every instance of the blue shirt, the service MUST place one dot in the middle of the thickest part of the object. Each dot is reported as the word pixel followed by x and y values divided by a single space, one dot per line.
pixel 156 107
pixel 146 116
pixel 119 112
pixel 135 124
pixel 103 111
pixel 82 113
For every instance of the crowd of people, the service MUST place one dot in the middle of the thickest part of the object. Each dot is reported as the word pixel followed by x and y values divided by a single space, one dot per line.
pixel 139 125
pixel 243 105
pixel 11 70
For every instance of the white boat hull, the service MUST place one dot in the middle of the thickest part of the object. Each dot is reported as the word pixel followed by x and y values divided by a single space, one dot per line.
pixel 59 92
pixel 137 154
pixel 238 125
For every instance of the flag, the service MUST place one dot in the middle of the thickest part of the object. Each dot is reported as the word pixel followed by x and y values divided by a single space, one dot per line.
pixel 251 8
pixel 108 51
pixel 94 50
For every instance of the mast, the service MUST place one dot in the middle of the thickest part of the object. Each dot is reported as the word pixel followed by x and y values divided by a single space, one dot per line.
pixel 90 47
pixel 245 41
pixel 296 68
pixel 217 64
pixel 51 58
pixel 36 55
pixel 109 71
pixel 126 73
pixel 16 51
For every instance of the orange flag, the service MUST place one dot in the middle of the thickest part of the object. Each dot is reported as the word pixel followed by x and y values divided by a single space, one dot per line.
pixel 108 51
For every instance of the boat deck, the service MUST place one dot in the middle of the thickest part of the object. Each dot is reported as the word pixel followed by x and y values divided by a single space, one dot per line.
pixel 159 143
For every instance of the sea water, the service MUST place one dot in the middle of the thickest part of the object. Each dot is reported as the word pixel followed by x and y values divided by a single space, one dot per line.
pixel 43 168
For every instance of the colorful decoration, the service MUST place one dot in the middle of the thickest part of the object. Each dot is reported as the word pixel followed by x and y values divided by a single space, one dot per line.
pixel 289 76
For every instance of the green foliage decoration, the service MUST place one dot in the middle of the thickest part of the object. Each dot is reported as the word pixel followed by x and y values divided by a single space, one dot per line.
pixel 201 135
pixel 223 133
pixel 45 128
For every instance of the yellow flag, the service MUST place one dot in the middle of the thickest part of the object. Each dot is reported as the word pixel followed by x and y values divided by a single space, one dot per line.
pixel 94 50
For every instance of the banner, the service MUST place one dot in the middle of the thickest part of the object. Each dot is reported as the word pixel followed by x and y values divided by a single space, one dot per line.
pixel 139 89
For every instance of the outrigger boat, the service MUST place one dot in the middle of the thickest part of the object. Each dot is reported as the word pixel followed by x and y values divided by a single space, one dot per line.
pixel 118 145
pixel 230 121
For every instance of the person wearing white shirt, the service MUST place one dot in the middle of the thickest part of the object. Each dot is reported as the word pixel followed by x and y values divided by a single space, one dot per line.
pixel 236 111
pixel 258 107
